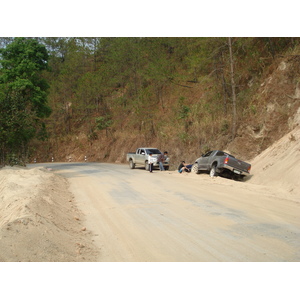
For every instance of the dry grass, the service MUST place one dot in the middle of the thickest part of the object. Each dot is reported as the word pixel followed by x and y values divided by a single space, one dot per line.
pixel 190 121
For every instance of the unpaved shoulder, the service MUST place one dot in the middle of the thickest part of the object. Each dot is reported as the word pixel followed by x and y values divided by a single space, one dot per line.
pixel 39 220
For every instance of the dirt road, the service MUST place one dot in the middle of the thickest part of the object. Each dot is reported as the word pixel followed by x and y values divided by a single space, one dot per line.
pixel 139 216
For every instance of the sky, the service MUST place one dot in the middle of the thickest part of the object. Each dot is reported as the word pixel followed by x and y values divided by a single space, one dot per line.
pixel 149 18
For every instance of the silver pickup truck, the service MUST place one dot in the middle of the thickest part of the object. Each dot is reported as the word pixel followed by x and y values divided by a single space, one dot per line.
pixel 140 157
pixel 221 163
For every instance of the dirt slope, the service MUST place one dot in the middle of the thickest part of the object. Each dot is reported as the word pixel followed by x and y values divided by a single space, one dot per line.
pixel 38 220
pixel 279 165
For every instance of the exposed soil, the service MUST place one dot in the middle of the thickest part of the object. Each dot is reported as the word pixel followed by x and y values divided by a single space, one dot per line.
pixel 40 219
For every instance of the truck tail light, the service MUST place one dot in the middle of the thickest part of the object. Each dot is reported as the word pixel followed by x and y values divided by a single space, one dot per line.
pixel 249 168
pixel 226 160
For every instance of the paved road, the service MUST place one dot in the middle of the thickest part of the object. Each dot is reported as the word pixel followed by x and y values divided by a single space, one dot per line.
pixel 165 216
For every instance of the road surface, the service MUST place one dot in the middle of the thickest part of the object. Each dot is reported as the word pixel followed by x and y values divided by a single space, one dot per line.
pixel 138 216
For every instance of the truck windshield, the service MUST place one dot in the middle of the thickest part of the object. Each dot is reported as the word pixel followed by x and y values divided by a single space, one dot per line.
pixel 153 151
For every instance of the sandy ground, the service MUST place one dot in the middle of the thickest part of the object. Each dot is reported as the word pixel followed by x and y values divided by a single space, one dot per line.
pixel 40 220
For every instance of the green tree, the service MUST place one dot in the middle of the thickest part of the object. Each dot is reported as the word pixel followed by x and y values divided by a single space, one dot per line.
pixel 23 97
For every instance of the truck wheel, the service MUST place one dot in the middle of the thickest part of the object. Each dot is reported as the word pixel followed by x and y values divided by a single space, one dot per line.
pixel 242 178
pixel 131 164
pixel 195 169
pixel 238 177
pixel 213 171
pixel 146 165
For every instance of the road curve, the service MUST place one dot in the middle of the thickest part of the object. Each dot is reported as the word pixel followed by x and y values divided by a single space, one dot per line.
pixel 138 216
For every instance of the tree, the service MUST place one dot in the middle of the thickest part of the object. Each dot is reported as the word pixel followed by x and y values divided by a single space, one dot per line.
pixel 23 96
pixel 234 114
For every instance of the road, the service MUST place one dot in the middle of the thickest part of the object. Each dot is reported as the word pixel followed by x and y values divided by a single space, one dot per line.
pixel 137 216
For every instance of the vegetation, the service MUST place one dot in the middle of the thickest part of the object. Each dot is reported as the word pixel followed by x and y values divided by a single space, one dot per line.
pixel 115 89
pixel 22 98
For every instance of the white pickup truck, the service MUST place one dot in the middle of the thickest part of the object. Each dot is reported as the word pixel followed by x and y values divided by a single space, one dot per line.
pixel 140 157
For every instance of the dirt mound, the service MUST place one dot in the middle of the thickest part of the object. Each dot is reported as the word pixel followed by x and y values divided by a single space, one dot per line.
pixel 38 219
pixel 279 165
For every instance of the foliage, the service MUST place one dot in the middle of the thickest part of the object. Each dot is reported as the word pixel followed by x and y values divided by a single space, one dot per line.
pixel 22 96
pixel 103 122
pixel 135 81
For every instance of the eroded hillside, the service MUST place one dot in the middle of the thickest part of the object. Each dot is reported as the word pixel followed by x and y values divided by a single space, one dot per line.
pixel 272 112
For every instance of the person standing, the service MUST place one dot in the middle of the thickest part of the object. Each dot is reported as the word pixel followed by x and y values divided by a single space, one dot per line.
pixel 160 160
pixel 151 161
pixel 165 155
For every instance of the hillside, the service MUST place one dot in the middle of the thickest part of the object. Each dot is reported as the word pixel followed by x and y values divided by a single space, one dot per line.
pixel 77 98
pixel 272 112
pixel 278 165
pixel 276 105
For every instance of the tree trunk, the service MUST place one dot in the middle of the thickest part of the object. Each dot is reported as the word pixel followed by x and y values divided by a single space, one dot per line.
pixel 234 114
pixel 224 92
